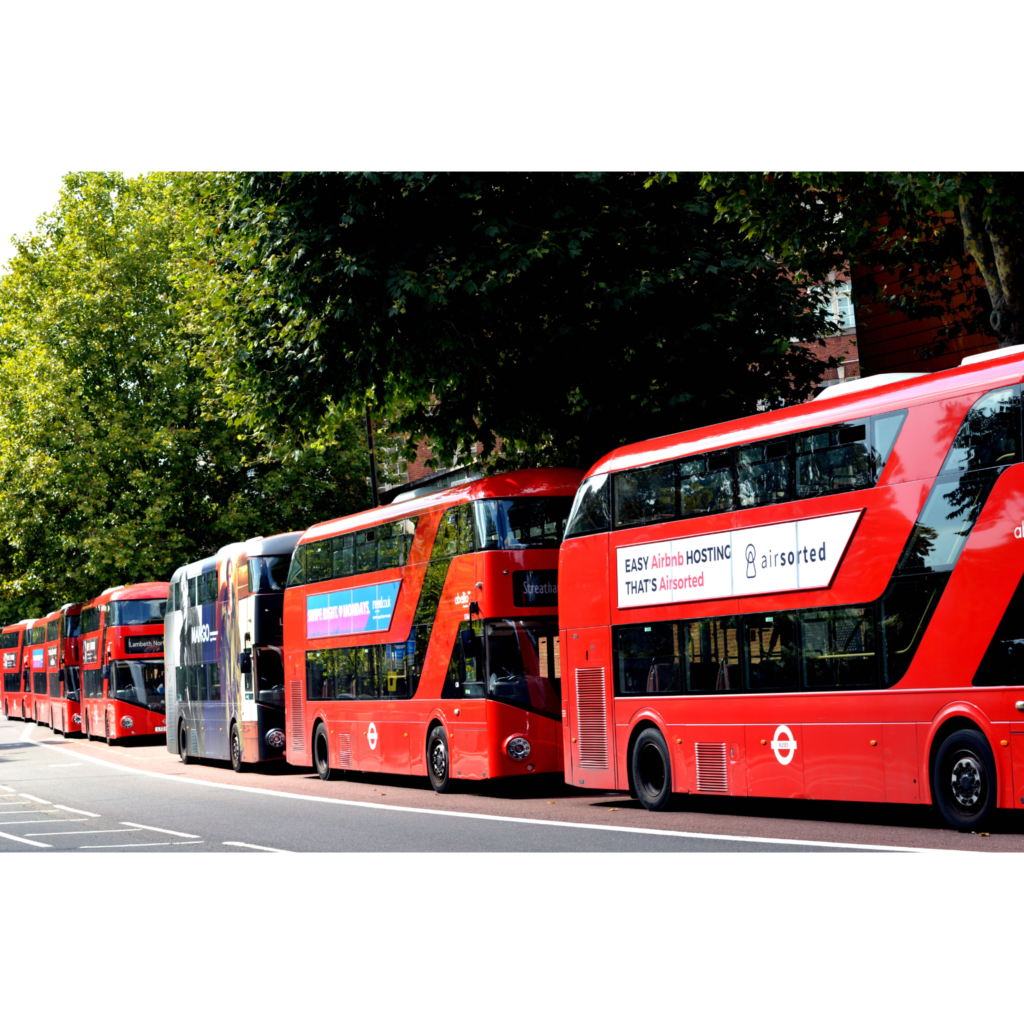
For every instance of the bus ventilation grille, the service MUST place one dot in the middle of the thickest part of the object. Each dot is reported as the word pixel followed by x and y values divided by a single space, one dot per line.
pixel 193 736
pixel 591 718
pixel 298 736
pixel 712 768
pixel 345 750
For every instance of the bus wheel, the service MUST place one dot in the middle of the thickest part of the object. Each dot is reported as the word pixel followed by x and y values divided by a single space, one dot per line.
pixel 964 779
pixel 437 760
pixel 652 770
pixel 183 744
pixel 236 749
pixel 322 752
pixel 110 739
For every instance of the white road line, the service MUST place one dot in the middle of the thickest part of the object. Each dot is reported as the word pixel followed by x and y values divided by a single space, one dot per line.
pixel 44 821
pixel 367 805
pixel 74 764
pixel 168 831
pixel 122 846
pixel 37 799
pixel 19 839
pixel 7 789
pixel 76 832
pixel 75 810
pixel 25 733
pixel 251 846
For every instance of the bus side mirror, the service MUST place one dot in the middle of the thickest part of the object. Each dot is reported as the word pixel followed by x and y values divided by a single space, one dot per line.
pixel 245 661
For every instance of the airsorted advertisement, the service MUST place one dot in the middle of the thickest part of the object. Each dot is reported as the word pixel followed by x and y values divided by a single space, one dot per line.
pixel 800 555
pixel 151 644
pixel 343 612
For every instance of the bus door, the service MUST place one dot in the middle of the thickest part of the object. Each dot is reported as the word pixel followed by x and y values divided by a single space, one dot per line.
pixel 591 739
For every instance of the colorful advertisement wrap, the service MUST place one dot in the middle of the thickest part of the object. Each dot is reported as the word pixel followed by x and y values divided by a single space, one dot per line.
pixel 800 555
pixel 37 658
pixel 342 612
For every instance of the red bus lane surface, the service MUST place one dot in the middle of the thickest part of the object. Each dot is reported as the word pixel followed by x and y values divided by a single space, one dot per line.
pixel 818 603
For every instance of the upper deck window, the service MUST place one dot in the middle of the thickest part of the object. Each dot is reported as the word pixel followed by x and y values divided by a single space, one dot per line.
pixel 71 624
pixel 38 634
pixel 140 612
pixel 267 575
pixel 8 640
pixel 90 619
pixel 53 630
pixel 844 457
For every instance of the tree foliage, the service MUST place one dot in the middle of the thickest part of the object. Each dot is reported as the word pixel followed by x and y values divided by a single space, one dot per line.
pixel 563 313
pixel 117 461
pixel 923 230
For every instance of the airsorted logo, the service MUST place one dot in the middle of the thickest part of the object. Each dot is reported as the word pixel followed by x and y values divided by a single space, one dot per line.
pixel 784 748
pixel 751 556
pixel 535 588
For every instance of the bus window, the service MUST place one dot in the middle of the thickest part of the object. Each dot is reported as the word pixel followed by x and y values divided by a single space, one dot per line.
pixel 137 613
pixel 514 670
pixel 837 459
pixel 344 555
pixel 446 543
pixel 139 682
pixel 646 495
pixel 53 630
pixel 213 682
pixel 705 484
pixel 465 677
pixel 71 624
pixel 763 474
pixel 71 682
pixel 713 654
pixel 269 677
pixel 647 659
pixel 772 651
pixel 989 435
pixel 839 649
pixel 267 575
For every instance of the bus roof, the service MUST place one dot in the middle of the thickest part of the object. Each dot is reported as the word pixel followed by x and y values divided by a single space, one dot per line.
pixel 525 483
pixel 18 625
pixel 847 405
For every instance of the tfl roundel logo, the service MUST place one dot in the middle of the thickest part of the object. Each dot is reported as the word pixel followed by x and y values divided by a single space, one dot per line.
pixel 784 748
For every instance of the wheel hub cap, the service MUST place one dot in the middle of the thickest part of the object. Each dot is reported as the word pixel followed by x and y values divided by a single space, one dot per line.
pixel 437 760
pixel 966 781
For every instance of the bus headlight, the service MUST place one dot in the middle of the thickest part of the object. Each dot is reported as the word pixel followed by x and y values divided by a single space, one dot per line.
pixel 518 748
pixel 127 723
pixel 275 738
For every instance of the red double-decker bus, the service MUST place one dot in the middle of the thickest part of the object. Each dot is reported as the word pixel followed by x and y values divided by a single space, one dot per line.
pixel 421 637
pixel 822 602
pixel 122 646
pixel 63 671
pixel 33 672
pixel 11 638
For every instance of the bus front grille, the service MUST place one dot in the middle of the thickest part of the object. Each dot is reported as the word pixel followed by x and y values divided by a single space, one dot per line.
pixel 591 718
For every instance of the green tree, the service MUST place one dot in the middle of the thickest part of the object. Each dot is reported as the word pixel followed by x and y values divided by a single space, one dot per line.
pixel 117 461
pixel 563 313
pixel 923 229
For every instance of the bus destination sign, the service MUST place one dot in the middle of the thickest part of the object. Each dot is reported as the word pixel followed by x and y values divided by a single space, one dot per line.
pixel 798 555
pixel 343 612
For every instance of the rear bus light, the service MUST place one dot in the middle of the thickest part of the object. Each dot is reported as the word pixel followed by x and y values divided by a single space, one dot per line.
pixel 518 748
pixel 127 723
pixel 275 738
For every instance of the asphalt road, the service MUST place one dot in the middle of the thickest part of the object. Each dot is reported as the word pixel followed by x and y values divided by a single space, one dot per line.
pixel 69 794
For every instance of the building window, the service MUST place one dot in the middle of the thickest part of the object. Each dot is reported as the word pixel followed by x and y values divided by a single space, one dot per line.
pixel 838 303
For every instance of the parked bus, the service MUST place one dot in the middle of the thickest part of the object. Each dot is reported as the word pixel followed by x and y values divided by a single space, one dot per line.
pixel 421 637
pixel 64 682
pixel 223 653
pixel 33 673
pixel 821 602
pixel 122 646
pixel 15 704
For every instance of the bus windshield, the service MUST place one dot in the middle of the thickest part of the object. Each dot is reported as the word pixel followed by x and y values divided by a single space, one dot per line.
pixel 267 575
pixel 514 523
pixel 138 682
pixel 137 613
pixel 269 677
pixel 71 626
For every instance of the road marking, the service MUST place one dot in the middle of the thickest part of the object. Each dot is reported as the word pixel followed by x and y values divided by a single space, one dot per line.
pixel 37 799
pixel 19 839
pixel 636 830
pixel 75 810
pixel 7 789
pixel 251 846
pixel 25 733
pixel 44 821
pixel 74 764
pixel 168 831
pixel 121 846
pixel 77 832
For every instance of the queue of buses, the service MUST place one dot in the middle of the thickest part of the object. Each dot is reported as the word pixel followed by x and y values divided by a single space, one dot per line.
pixel 820 602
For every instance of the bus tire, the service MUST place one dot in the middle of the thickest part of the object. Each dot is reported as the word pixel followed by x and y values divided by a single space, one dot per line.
pixel 652 769
pixel 110 739
pixel 438 761
pixel 964 779
pixel 237 763
pixel 322 752
pixel 183 744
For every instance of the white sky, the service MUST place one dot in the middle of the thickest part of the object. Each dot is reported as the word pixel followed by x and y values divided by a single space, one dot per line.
pixel 24 195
